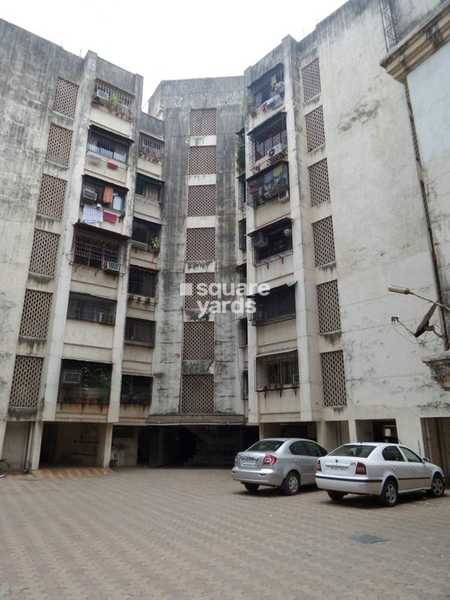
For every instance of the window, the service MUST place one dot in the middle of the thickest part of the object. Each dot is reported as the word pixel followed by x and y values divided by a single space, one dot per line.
pixel 142 282
pixel 268 87
pixel 278 304
pixel 147 234
pixel 65 97
pixel 244 385
pixel 323 237
pixel 315 449
pixel 140 331
pixel 203 121
pixel 333 378
pixel 136 390
pixel 150 148
pixel 273 183
pixel 355 450
pixel 107 146
pixel 83 307
pixel 298 449
pixel 315 132
pixel 281 370
pixel 311 80
pixel 243 333
pixel 273 240
pixel 84 383
pixel 95 191
pixel 200 244
pixel 271 138
pixel 147 187
pixel 266 446
pixel 328 307
pixel 307 448
pixel 25 384
pixel 243 235
pixel 59 144
pixel 392 453
pixel 96 251
pixel 410 455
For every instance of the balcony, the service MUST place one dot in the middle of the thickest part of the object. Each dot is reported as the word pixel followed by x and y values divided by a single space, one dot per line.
pixel 97 251
pixel 102 204
pixel 84 384
pixel 140 332
pixel 272 241
pixel 278 305
pixel 268 144
pixel 273 184
pixel 147 201
pixel 84 307
pixel 142 288
pixel 266 94
pixel 107 155
pixel 145 243
pixel 150 155
pixel 136 391
pixel 112 108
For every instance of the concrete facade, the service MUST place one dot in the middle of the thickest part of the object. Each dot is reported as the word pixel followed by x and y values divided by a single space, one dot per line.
pixel 320 172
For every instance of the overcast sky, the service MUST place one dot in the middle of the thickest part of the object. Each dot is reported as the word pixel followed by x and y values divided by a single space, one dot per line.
pixel 170 39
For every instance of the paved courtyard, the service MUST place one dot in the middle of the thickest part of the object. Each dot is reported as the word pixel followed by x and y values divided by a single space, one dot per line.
pixel 192 534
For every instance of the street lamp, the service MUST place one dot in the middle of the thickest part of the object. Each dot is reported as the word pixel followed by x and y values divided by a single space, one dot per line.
pixel 402 290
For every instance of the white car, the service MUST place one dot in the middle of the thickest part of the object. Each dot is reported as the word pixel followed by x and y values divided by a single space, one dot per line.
pixel 383 470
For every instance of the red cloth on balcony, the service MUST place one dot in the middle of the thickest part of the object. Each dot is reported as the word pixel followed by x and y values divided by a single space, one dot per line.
pixel 109 217
pixel 108 194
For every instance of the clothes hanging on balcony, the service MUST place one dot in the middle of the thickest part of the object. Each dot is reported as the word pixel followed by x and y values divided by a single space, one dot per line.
pixel 110 217
pixel 92 214
pixel 108 194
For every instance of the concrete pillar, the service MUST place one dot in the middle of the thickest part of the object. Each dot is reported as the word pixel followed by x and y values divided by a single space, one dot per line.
pixel 2 435
pixel 409 430
pixel 35 445
pixel 352 435
pixel 104 445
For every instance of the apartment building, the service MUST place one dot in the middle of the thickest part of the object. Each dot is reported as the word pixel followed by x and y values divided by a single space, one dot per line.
pixel 320 173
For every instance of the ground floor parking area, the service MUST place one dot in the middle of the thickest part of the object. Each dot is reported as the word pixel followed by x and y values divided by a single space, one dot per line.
pixel 174 534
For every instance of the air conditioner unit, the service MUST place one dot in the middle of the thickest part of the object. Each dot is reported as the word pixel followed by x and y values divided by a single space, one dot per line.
pixel 111 266
pixel 71 377
pixel 89 193
pixel 260 240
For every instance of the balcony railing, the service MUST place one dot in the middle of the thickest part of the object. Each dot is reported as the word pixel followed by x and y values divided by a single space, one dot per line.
pixel 96 252
pixel 107 146
pixel 113 99
pixel 272 241
pixel 150 148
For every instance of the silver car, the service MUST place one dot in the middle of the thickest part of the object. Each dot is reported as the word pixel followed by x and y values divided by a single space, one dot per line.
pixel 383 470
pixel 285 463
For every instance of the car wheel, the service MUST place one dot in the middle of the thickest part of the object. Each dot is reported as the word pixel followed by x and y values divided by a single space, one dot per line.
pixel 291 484
pixel 336 496
pixel 251 488
pixel 389 493
pixel 437 486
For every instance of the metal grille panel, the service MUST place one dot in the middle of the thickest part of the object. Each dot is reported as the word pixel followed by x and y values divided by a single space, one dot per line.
pixel 190 302
pixel 311 80
pixel 328 307
pixel 201 244
pixel 197 394
pixel 44 253
pixel 319 185
pixel 35 314
pixel 65 97
pixel 315 131
pixel 51 197
pixel 26 382
pixel 202 160
pixel 333 378
pixel 203 121
pixel 201 200
pixel 323 236
pixel 198 340
pixel 59 144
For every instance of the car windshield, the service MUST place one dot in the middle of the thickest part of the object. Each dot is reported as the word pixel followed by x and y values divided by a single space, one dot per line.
pixel 359 450
pixel 266 446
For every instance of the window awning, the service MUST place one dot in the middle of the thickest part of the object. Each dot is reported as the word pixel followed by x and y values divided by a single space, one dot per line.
pixel 277 223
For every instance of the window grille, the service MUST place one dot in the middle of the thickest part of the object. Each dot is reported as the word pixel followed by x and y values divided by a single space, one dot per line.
pixel 328 307
pixel 243 235
pixel 26 382
pixel 273 183
pixel 59 144
pixel 116 100
pixel 311 80
pixel 196 279
pixel 202 160
pixel 278 304
pixel 95 191
pixel 148 188
pixel 280 370
pixel 44 253
pixel 315 131
pixel 136 390
pixel 150 148
pixel 203 121
pixel 268 89
pixel 83 307
pixel 65 97
pixel 197 394
pixel 273 240
pixel 141 331
pixel 323 237
pixel 35 315
pixel 319 186
pixel 51 197
pixel 142 282
pixel 147 234
pixel 333 378
pixel 270 139
pixel 107 146
pixel 84 383
pixel 201 200
pixel 96 251
pixel 198 340
pixel 200 244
